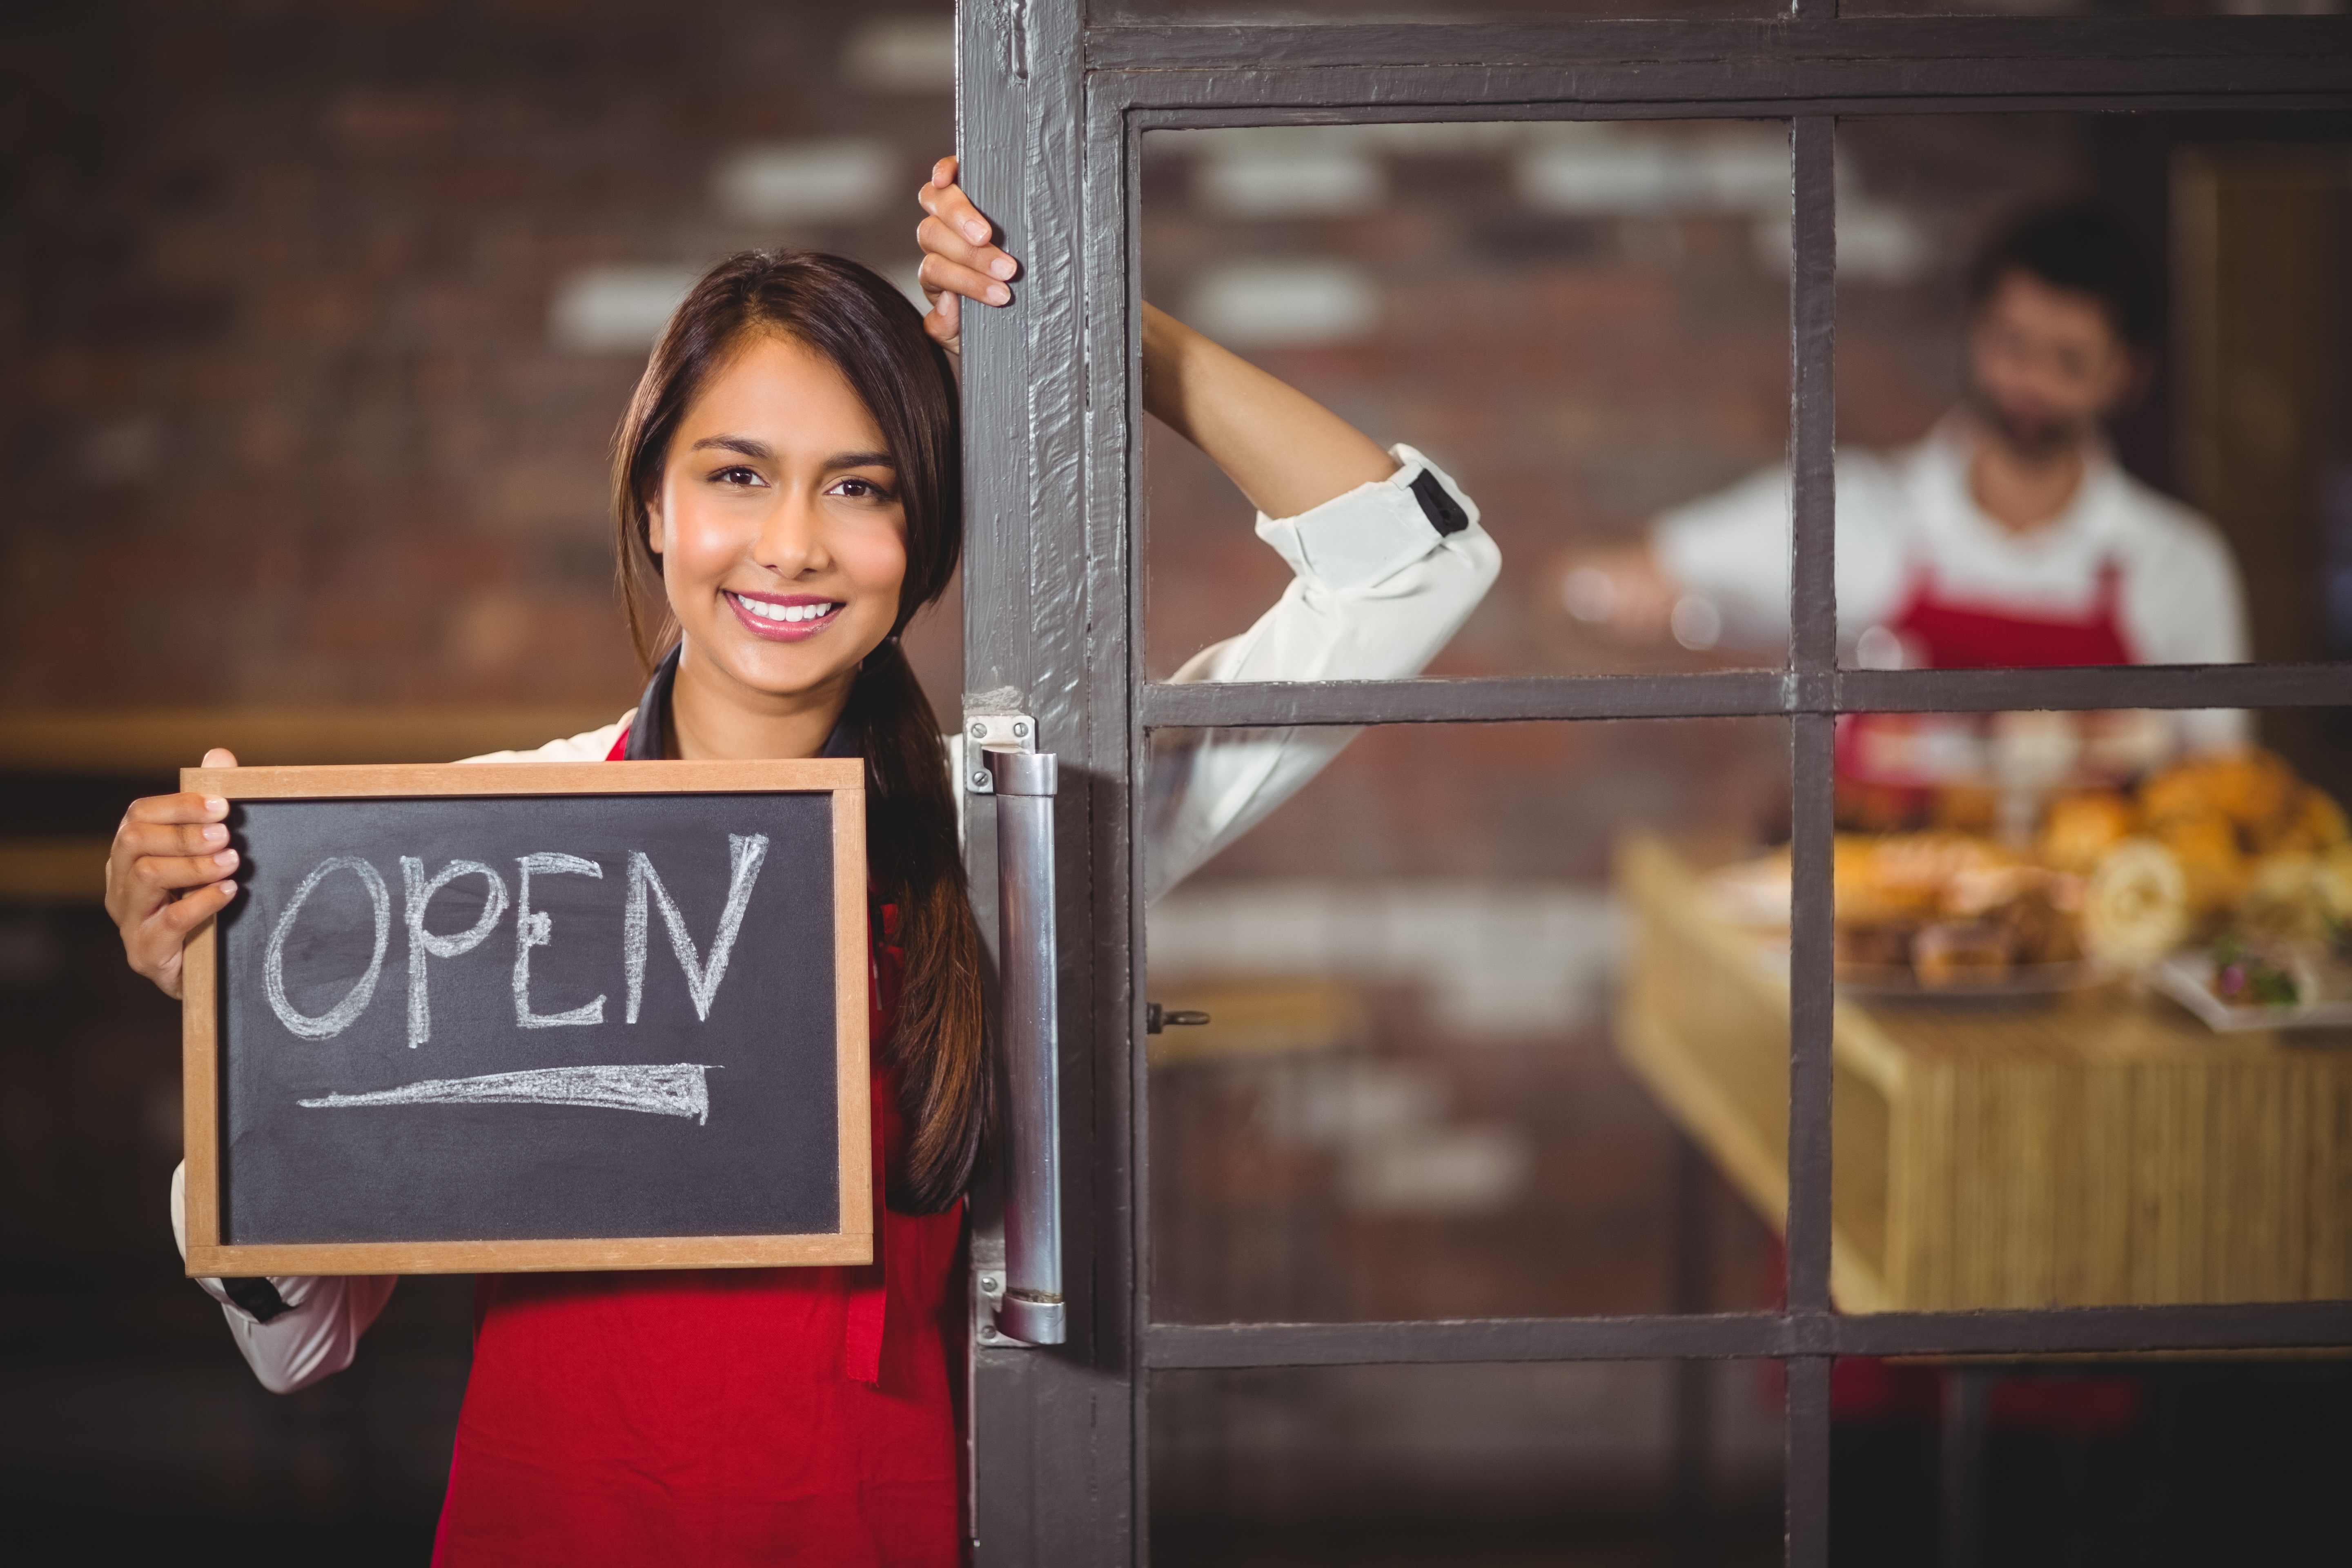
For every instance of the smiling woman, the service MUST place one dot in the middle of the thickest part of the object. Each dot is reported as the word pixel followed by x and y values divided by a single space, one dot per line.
pixel 786 498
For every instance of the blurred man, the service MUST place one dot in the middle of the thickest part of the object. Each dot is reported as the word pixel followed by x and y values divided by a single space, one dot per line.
pixel 2007 537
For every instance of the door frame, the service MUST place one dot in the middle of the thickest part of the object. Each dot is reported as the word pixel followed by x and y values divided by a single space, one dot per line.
pixel 1051 114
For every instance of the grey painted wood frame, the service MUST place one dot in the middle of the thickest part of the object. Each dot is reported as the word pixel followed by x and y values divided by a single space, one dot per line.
pixel 1052 113
pixel 1055 1478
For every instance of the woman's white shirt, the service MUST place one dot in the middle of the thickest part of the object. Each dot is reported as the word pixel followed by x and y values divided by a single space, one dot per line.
pixel 317 1333
pixel 1376 590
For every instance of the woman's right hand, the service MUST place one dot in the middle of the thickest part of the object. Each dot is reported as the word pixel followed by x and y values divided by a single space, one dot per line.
pixel 170 870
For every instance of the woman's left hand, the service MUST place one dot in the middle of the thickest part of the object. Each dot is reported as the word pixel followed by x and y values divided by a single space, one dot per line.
pixel 960 260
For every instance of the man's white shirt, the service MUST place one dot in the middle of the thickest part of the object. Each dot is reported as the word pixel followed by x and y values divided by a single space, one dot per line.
pixel 1908 512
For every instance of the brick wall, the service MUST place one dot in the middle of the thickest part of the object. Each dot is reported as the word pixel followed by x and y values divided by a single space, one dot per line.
pixel 282 419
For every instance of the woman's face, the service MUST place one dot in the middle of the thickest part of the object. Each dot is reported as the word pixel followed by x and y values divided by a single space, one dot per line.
pixel 782 539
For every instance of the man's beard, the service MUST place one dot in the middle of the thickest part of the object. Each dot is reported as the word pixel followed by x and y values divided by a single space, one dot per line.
pixel 2034 438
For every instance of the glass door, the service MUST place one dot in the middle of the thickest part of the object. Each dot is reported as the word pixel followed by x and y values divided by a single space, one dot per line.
pixel 1366 1200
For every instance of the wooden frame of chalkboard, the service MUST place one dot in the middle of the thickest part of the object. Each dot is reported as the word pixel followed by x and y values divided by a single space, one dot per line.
pixel 850 1241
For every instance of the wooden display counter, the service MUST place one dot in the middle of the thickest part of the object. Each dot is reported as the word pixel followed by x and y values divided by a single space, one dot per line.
pixel 2101 1148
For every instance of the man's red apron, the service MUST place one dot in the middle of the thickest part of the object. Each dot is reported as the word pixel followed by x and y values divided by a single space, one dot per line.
pixel 1950 634
pixel 695 1419
pixel 1940 633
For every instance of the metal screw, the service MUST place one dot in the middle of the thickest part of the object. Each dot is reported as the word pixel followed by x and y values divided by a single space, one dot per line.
pixel 980 730
pixel 988 1285
pixel 1020 728
pixel 980 778
pixel 988 1331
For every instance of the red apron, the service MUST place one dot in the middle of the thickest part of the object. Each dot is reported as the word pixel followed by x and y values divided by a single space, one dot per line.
pixel 1949 634
pixel 1939 633
pixel 718 1417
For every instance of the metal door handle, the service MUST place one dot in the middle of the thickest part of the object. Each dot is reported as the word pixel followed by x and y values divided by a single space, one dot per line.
pixel 1030 1308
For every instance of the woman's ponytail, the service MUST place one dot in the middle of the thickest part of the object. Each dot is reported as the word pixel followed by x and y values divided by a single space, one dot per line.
pixel 940 1046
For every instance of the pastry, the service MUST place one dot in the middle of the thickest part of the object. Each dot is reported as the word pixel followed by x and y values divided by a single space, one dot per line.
pixel 1965 808
pixel 2313 822
pixel 2333 873
pixel 2136 909
pixel 2039 931
pixel 1871 949
pixel 2082 827
pixel 2251 789
pixel 2206 845
pixel 1961 953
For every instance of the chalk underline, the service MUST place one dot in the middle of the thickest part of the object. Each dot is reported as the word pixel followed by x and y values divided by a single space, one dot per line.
pixel 676 1089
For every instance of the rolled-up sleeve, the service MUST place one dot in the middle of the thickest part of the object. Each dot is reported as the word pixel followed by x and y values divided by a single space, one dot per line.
pixel 1382 577
pixel 292 1329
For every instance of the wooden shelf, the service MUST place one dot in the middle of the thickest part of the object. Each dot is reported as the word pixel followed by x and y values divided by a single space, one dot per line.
pixel 146 741
pixel 2100 1149
pixel 53 870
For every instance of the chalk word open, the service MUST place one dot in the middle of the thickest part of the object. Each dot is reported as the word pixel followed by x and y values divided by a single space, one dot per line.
pixel 533 929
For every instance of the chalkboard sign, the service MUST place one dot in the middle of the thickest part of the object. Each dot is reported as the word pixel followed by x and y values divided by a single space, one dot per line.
pixel 506 1016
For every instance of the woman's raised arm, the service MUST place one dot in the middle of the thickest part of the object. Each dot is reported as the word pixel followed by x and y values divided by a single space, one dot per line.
pixel 1288 453
pixel 1387 556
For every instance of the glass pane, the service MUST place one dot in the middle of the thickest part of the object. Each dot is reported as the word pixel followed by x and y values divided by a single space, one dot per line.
pixel 2091 1023
pixel 2050 1464
pixel 1430 1087
pixel 1468 1467
pixel 1582 323
pixel 2092 399
pixel 2090 7
pixel 1115 12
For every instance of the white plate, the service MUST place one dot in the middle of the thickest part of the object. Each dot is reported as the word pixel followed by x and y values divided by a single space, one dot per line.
pixel 2185 975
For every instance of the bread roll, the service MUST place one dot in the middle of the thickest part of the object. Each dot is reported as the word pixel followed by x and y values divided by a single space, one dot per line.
pixel 2082 827
pixel 1961 953
pixel 2206 845
pixel 2137 907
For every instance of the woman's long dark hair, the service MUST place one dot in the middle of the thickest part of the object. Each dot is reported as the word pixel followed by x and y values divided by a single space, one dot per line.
pixel 866 329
